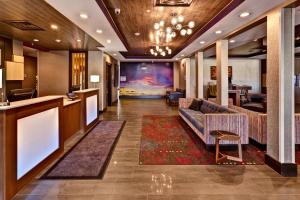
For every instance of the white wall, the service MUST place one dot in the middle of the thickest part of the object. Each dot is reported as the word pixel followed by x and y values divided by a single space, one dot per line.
pixel 53 72
pixel 95 67
pixel 244 72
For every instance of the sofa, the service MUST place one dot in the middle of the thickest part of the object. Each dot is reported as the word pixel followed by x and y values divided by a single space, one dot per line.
pixel 172 97
pixel 209 116
pixel 258 125
pixel 255 102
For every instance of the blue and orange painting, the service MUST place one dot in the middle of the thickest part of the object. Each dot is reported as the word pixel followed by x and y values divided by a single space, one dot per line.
pixel 145 79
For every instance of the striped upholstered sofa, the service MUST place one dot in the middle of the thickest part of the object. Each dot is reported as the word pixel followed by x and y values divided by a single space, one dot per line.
pixel 258 125
pixel 212 116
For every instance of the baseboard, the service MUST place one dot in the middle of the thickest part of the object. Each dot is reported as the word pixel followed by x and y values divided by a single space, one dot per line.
pixel 142 97
pixel 284 169
pixel 102 111
pixel 262 147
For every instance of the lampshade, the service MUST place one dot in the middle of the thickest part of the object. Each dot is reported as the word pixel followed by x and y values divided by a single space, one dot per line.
pixel 95 78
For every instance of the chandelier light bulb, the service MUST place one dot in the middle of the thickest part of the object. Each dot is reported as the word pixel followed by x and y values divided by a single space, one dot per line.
pixel 173 21
pixel 183 32
pixel 191 24
pixel 162 23
pixel 173 34
pixel 189 31
pixel 167 47
pixel 157 48
pixel 169 51
pixel 155 54
pixel 156 26
pixel 180 18
pixel 169 29
pixel 178 26
pixel 160 50
pixel 163 53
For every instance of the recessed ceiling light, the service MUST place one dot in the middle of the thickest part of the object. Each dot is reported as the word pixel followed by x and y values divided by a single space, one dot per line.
pixel 99 31
pixel 297 38
pixel 218 32
pixel 148 11
pixel 78 40
pixel 58 40
pixel 182 55
pixel 232 41
pixel 137 34
pixel 244 14
pixel 114 54
pixel 108 41
pixel 35 40
pixel 54 26
pixel 84 16
pixel 202 42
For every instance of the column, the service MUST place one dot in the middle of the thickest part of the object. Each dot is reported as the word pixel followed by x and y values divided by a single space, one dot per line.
pixel 187 63
pixel 280 92
pixel 200 72
pixel 222 72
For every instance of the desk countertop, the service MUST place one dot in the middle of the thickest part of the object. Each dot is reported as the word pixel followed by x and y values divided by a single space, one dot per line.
pixel 27 102
pixel 86 90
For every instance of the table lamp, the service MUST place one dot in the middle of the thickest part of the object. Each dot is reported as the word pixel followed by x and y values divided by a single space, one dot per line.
pixel 95 79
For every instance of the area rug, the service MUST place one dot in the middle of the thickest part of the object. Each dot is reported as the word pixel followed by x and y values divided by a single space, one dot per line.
pixel 90 156
pixel 167 140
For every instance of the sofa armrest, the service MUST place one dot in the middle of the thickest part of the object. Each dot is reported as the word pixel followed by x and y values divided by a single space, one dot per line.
pixel 235 123
pixel 185 102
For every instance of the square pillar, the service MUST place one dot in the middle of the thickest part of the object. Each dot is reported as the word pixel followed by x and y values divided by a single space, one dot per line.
pixel 188 85
pixel 280 92
pixel 200 72
pixel 222 72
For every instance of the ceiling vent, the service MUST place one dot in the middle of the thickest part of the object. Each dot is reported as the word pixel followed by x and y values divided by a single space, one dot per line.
pixel 182 3
pixel 23 25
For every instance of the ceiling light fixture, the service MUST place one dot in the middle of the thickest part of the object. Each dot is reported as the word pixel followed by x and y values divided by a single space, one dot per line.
pixel 99 31
pixel 108 41
pixel 137 34
pixel 244 14
pixel 232 41
pixel 78 40
pixel 35 40
pixel 202 42
pixel 84 16
pixel 148 11
pixel 114 54
pixel 58 40
pixel 218 32
pixel 54 26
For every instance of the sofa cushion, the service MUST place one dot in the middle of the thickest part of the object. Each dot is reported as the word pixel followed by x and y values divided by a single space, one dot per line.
pixel 195 117
pixel 195 105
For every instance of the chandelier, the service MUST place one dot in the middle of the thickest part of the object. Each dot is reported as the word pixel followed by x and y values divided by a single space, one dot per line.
pixel 163 34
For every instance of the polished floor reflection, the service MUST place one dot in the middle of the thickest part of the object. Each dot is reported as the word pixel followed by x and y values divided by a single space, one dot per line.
pixel 125 179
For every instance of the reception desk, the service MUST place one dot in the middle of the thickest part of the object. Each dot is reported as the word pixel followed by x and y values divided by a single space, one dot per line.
pixel 33 133
pixel 72 117
pixel 89 108
pixel 30 139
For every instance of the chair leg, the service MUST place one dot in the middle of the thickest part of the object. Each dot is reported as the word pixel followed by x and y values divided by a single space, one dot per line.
pixel 240 151
pixel 217 150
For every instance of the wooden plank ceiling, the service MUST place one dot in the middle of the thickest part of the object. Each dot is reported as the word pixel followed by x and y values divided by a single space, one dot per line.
pixel 39 13
pixel 135 18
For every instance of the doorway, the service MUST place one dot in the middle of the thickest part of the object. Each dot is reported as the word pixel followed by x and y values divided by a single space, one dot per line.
pixel 109 84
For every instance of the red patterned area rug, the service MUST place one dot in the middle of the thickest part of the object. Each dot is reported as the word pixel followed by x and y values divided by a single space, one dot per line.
pixel 167 140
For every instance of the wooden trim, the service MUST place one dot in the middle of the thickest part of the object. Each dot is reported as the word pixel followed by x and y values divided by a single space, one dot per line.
pixel 112 23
